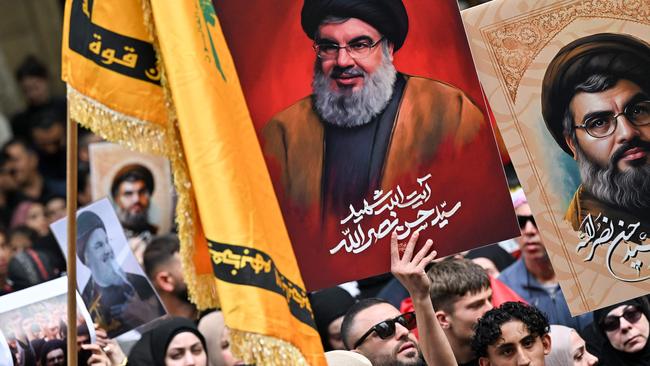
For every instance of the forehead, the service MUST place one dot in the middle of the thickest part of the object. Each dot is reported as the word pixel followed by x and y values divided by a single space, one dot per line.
pixel 347 30
pixel 368 317
pixel 523 210
pixel 512 332
pixel 612 99
pixel 131 185
pixel 469 298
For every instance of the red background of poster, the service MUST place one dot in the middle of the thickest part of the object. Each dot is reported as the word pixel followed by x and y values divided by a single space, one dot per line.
pixel 274 60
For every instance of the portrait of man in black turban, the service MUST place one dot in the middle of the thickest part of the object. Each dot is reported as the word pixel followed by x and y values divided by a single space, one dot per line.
pixel 596 104
pixel 365 124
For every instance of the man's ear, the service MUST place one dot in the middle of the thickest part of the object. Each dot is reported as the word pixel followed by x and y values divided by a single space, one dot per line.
pixel 443 319
pixel 546 342
pixel 164 281
pixel 483 361
pixel 572 146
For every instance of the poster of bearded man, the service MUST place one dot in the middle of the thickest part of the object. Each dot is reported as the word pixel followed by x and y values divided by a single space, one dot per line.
pixel 138 185
pixel 569 85
pixel 371 120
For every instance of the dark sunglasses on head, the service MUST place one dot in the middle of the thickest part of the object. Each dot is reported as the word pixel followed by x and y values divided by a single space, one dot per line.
pixel 386 328
pixel 524 219
pixel 612 322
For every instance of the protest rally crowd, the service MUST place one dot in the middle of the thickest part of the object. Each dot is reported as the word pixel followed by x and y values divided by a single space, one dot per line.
pixel 500 304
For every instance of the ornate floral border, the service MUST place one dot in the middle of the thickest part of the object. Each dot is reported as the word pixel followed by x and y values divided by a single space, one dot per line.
pixel 515 44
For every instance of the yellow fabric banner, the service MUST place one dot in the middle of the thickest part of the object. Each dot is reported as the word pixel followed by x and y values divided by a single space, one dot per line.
pixel 159 78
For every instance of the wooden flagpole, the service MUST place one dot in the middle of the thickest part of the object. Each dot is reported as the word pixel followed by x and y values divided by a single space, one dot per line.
pixel 71 208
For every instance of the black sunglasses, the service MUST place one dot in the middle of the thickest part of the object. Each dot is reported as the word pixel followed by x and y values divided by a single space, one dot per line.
pixel 612 322
pixel 524 219
pixel 386 328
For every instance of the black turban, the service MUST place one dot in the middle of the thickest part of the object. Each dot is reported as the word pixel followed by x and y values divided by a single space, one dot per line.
pixel 618 55
pixel 87 222
pixel 387 16
pixel 132 173
pixel 328 305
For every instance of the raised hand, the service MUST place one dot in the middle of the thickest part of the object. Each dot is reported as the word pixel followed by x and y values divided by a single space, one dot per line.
pixel 410 269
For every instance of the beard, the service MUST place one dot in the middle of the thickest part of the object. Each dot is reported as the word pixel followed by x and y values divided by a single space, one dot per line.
pixel 391 360
pixel 133 221
pixel 351 109
pixel 629 190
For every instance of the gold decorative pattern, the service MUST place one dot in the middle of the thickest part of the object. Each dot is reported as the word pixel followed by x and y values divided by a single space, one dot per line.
pixel 516 44
pixel 257 349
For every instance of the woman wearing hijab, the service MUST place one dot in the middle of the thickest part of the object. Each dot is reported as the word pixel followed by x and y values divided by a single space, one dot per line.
pixel 173 342
pixel 619 334
pixel 568 348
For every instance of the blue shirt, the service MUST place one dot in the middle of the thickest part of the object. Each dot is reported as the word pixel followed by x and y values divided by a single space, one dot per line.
pixel 517 277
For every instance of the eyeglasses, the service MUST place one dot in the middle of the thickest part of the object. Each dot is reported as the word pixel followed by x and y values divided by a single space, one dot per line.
pixel 386 328
pixel 612 322
pixel 604 124
pixel 523 220
pixel 356 50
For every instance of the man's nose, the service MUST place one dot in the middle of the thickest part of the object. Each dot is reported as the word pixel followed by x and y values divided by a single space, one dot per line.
pixel 529 228
pixel 522 358
pixel 625 130
pixel 401 331
pixel 343 58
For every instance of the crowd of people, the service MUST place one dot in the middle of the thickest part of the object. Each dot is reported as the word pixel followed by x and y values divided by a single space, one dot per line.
pixel 496 305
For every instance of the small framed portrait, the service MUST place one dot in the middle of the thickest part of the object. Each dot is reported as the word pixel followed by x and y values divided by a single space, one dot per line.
pixel 138 185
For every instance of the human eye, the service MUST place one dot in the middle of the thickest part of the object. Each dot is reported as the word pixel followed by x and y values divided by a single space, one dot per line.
pixel 176 355
pixel 359 46
pixel 506 351
pixel 528 342
pixel 328 47
pixel 578 356
pixel 641 109
pixel 197 349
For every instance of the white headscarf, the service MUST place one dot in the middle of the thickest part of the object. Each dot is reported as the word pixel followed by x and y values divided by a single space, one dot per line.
pixel 560 354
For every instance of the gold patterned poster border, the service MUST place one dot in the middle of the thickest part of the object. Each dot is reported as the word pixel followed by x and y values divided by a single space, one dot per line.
pixel 516 43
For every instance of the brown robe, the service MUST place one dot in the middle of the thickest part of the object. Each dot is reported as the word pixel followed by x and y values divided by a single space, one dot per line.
pixel 430 113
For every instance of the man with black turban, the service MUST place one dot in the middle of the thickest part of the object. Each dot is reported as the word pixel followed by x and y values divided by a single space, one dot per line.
pixel 366 125
pixel 131 191
pixel 596 104
pixel 117 300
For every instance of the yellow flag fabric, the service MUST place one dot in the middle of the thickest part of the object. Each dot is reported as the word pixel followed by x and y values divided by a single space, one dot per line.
pixel 156 75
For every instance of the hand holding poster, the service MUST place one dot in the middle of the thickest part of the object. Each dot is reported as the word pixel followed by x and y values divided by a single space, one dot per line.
pixel 392 135
pixel 117 293
pixel 569 85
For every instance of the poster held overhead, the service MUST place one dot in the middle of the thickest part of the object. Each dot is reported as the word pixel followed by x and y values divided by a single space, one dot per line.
pixel 114 288
pixel 371 121
pixel 569 84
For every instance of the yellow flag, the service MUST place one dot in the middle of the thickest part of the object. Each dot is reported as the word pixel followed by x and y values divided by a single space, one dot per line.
pixel 157 75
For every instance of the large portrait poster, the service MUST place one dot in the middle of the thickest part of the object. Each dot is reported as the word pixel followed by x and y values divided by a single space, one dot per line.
pixel 371 120
pixel 569 85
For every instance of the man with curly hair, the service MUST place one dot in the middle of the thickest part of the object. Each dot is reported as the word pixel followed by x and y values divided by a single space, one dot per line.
pixel 512 334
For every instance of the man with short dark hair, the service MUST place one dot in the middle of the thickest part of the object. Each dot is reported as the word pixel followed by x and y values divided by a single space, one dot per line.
pixel 512 334
pixel 131 190
pixel 162 264
pixel 53 353
pixel 461 294
pixel 596 104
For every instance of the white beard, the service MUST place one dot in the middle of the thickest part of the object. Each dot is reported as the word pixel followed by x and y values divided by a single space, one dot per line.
pixel 358 108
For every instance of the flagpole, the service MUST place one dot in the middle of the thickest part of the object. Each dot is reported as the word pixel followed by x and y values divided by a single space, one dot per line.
pixel 71 208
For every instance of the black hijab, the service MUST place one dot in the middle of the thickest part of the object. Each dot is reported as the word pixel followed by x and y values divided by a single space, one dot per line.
pixel 608 354
pixel 152 347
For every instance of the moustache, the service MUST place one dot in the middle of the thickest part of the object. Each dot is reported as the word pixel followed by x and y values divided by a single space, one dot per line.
pixel 338 72
pixel 620 152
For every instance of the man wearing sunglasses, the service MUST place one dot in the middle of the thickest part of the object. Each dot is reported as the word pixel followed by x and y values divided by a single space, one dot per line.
pixel 619 334
pixel 532 276
pixel 366 125
pixel 596 104
pixel 376 329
